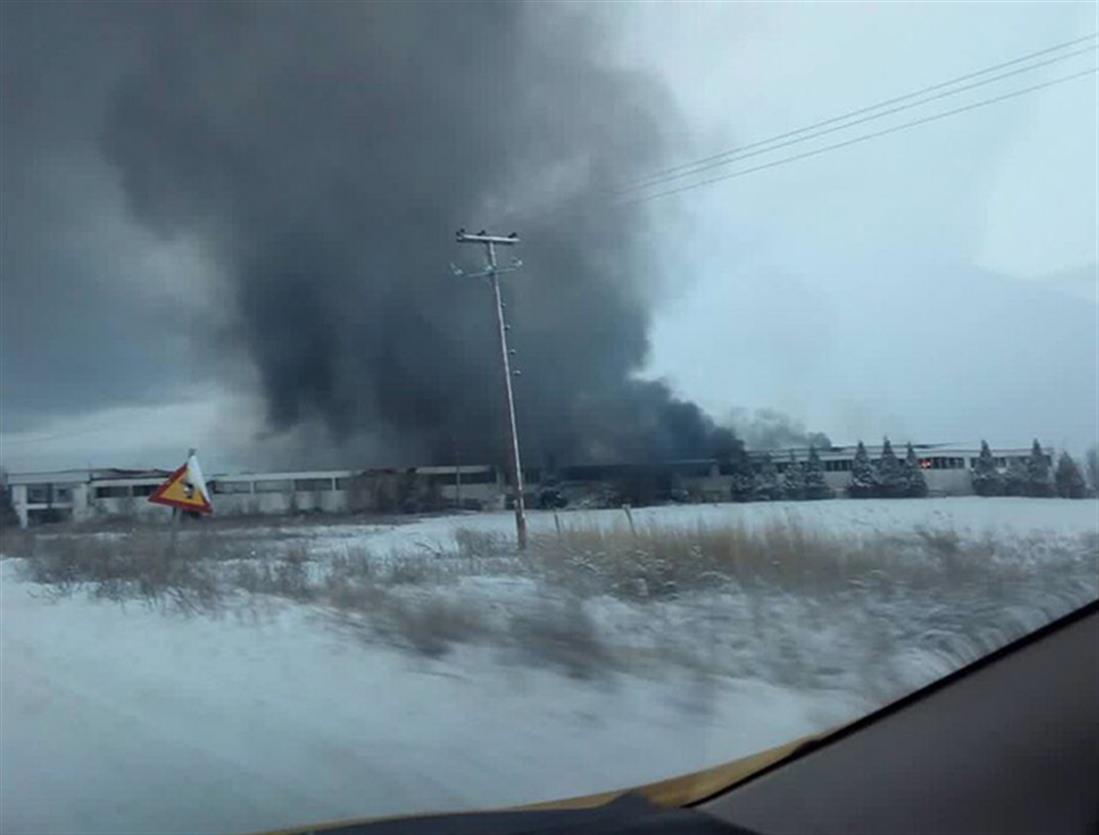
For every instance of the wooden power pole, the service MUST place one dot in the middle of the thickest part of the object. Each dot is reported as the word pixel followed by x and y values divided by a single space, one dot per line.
pixel 492 273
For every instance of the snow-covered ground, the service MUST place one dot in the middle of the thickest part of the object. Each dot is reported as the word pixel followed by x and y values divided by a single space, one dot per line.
pixel 969 515
pixel 117 718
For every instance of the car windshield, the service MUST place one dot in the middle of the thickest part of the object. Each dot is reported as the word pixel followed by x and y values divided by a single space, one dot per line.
pixel 418 407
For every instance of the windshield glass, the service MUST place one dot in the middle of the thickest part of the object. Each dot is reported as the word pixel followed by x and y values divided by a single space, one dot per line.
pixel 417 407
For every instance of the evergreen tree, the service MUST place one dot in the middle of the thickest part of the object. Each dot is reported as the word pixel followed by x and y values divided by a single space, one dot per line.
pixel 1091 465
pixel 1039 482
pixel 793 480
pixel 768 488
pixel 742 488
pixel 986 479
pixel 816 487
pixel 915 485
pixel 1016 477
pixel 863 483
pixel 888 476
pixel 8 517
pixel 1068 478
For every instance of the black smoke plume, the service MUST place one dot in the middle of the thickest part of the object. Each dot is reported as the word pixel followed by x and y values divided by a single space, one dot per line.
pixel 327 152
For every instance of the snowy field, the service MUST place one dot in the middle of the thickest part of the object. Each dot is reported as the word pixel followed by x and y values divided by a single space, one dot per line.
pixel 396 668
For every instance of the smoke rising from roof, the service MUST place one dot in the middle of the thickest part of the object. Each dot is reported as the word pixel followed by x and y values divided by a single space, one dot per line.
pixel 327 154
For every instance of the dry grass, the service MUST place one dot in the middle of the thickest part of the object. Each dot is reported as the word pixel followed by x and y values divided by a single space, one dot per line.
pixel 142 566
pixel 561 633
pixel 653 563
pixel 780 603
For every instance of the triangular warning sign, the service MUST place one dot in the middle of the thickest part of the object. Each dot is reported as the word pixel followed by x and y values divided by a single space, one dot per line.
pixel 185 489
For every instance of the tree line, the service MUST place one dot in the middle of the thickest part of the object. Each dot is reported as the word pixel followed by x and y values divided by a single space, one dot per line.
pixel 893 477
pixel 1032 476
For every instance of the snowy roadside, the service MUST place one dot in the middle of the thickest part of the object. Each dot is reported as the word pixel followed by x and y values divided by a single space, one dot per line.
pixel 423 666
pixel 125 720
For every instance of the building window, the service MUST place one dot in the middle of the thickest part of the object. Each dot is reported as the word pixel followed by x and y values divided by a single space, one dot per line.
pixel 38 493
pixel 441 478
pixel 344 483
pixel 145 489
pixel 118 491
pixel 312 485
pixel 275 485
pixel 232 487
pixel 699 470
pixel 479 477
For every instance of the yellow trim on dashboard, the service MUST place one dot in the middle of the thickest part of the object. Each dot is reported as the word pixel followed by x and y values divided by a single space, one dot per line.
pixel 671 793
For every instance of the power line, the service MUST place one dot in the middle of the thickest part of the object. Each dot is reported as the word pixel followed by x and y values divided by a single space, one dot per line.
pixel 674 172
pixel 863 138
pixel 738 157
pixel 20 442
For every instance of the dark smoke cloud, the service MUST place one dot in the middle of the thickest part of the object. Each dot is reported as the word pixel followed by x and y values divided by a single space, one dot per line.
pixel 771 429
pixel 75 334
pixel 325 153
pixel 329 151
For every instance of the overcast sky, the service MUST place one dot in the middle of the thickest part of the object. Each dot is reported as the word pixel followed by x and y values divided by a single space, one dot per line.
pixel 938 284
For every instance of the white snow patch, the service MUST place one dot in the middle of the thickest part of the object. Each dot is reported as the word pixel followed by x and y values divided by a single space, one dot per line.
pixel 121 719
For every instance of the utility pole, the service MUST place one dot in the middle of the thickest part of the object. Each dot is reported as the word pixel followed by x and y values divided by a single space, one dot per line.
pixel 492 273
pixel 457 473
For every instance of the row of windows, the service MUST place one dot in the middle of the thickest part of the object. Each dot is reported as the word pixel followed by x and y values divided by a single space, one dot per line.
pixel 124 491
pixel 1002 462
pixel 478 477
pixel 940 463
pixel 49 494
pixel 319 485
pixel 843 465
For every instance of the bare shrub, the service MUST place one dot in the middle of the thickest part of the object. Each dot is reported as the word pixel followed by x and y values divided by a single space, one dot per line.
pixel 16 542
pixel 429 626
pixel 562 634
pixel 142 565
pixel 291 576
pixel 940 540
pixel 474 543
pixel 403 570
pixel 432 626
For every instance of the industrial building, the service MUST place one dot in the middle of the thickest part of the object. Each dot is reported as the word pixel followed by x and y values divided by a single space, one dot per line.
pixel 85 495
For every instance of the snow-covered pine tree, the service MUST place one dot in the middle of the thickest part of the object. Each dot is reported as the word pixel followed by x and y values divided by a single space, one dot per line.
pixel 816 487
pixel 890 479
pixel 1016 477
pixel 1068 478
pixel 1039 482
pixel 793 480
pixel 768 487
pixel 1091 467
pixel 915 485
pixel 742 487
pixel 986 479
pixel 863 483
pixel 8 517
